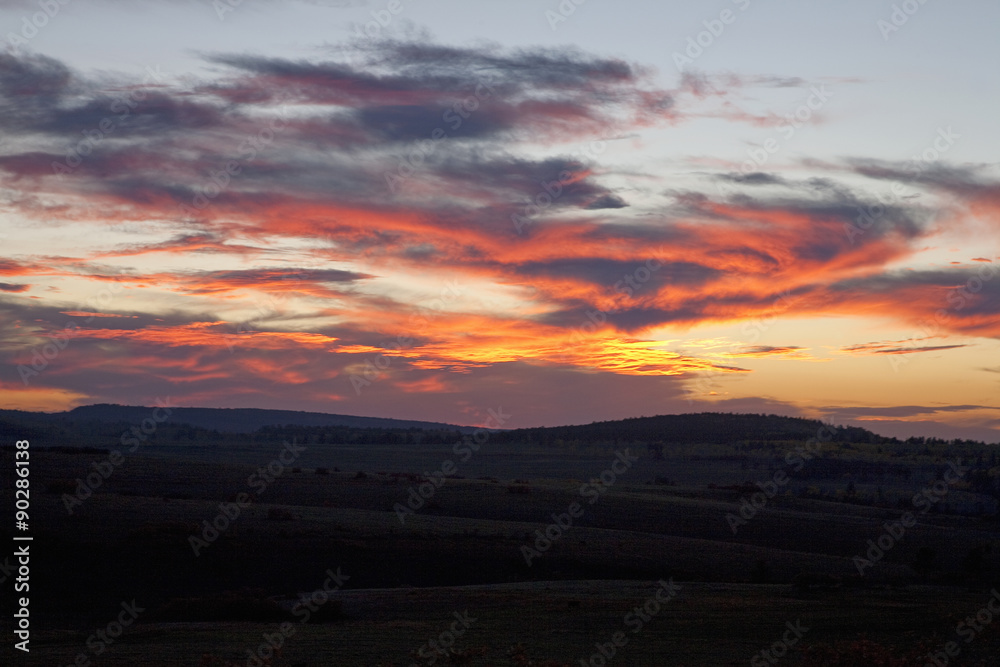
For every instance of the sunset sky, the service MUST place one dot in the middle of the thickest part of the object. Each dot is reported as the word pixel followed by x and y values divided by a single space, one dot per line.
pixel 429 209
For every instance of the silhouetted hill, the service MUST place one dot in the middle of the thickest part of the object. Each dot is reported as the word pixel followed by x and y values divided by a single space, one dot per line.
pixel 704 427
pixel 225 420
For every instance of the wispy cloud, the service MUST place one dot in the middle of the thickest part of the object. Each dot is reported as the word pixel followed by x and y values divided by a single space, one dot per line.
pixel 895 347
pixel 353 186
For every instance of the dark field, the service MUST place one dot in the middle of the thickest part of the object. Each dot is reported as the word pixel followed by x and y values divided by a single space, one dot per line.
pixel 396 584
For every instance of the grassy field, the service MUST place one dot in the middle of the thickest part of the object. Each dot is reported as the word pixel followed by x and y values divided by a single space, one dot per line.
pixel 556 623
pixel 464 551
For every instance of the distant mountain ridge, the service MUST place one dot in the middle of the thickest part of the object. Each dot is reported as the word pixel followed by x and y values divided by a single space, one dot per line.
pixel 702 427
pixel 227 420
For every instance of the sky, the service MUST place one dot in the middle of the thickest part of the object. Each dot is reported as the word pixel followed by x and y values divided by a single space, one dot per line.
pixel 563 212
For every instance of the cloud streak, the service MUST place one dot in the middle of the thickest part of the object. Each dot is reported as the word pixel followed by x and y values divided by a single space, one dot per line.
pixel 352 187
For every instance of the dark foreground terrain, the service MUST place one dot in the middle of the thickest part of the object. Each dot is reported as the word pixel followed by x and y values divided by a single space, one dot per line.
pixel 872 553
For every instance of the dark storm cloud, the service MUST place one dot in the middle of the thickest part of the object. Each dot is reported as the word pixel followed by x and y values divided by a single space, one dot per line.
pixel 607 201
pixel 614 273
pixel 753 178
